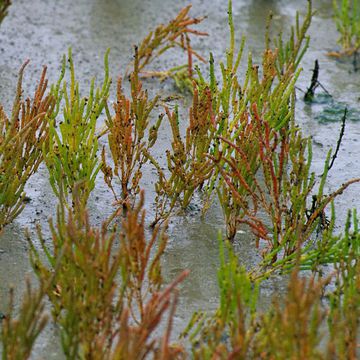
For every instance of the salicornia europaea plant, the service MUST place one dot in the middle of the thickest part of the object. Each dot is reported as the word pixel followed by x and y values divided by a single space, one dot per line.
pixel 71 154
pixel 22 136
pixel 129 126
pixel 347 19
pixel 83 288
pixel 127 131
pixel 230 331
pixel 242 143
pixel 298 322
pixel 238 329
pixel 140 261
pixel 187 165
pixel 343 319
pixel 270 94
pixel 306 313
pixel 283 195
pixel 175 34
pixel 137 341
pixel 223 112
pixel 18 334
pixel 100 289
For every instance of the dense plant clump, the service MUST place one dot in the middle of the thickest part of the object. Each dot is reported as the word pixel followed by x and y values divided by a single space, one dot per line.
pixel 243 148
pixel 115 303
pixel 238 330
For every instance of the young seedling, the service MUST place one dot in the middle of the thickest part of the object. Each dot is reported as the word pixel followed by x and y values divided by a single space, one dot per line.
pixel 22 136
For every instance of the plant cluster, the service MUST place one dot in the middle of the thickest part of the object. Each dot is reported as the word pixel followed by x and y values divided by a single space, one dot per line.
pixel 97 320
pixel 104 287
pixel 242 143
pixel 187 166
pixel 129 136
pixel 242 146
pixel 308 327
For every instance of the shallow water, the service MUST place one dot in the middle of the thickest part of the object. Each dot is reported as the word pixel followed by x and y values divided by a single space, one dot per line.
pixel 43 30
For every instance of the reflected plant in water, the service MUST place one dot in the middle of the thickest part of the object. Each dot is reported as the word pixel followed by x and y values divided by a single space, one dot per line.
pixel 22 136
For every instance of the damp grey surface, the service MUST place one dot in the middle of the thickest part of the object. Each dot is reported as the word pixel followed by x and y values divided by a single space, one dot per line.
pixel 42 31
